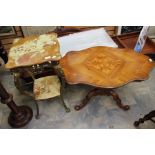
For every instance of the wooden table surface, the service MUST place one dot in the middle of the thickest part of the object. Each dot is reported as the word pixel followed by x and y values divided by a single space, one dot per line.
pixel 105 67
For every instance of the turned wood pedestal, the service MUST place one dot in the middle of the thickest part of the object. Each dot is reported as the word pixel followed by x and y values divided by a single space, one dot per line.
pixel 20 115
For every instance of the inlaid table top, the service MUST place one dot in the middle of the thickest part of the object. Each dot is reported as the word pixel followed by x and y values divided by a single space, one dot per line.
pixel 33 50
pixel 105 67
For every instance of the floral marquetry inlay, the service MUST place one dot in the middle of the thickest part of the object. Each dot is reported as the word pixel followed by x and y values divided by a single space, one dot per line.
pixel 103 64
pixel 105 67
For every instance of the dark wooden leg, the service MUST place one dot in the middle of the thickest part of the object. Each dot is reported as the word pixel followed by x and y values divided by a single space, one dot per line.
pixel 118 100
pixel 145 118
pixel 100 91
pixel 85 101
pixel 20 115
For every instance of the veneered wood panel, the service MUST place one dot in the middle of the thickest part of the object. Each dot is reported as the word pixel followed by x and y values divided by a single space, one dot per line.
pixel 105 67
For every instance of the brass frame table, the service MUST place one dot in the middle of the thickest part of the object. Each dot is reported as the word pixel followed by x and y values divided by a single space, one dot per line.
pixel 33 55
pixel 34 70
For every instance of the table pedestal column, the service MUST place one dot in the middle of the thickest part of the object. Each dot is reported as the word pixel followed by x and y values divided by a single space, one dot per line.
pixel 20 115
pixel 101 91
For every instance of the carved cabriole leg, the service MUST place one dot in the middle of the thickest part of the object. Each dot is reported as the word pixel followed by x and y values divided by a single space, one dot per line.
pixel 101 91
pixel 85 101
pixel 118 100
pixel 145 118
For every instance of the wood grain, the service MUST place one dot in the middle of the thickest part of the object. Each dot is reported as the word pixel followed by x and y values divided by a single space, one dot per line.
pixel 17 28
pixel 8 40
pixel 105 67
pixel 110 29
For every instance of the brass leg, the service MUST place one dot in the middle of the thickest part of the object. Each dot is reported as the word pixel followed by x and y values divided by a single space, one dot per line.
pixel 62 100
pixel 60 74
pixel 64 104
pixel 37 109
pixel 17 82
pixel 61 95
pixel 18 85
pixel 145 118
pixel 35 101
pixel 100 91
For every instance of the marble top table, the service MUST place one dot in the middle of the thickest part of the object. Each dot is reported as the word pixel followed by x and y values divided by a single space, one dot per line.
pixel 33 50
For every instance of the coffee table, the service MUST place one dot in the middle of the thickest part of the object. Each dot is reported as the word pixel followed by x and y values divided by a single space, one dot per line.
pixel 106 69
